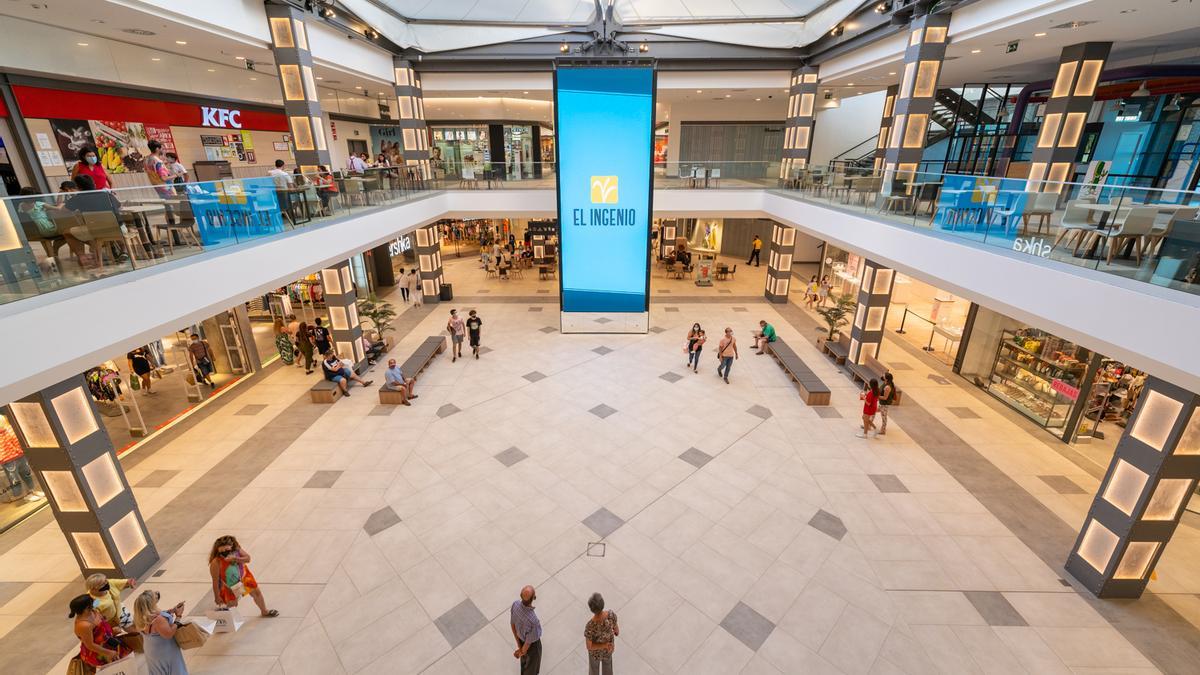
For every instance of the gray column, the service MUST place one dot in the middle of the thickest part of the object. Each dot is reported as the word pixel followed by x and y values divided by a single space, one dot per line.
pixel 429 261
pixel 1140 502
pixel 779 263
pixel 1071 98
pixel 412 119
pixel 885 126
pixel 914 103
pixel 289 46
pixel 341 302
pixel 798 129
pixel 73 458
pixel 874 297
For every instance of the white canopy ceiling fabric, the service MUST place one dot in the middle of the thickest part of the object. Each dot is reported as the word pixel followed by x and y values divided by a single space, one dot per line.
pixel 545 16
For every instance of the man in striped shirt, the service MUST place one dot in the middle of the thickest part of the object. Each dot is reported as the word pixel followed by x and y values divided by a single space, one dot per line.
pixel 527 629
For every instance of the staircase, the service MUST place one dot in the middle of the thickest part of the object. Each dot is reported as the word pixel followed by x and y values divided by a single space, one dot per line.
pixel 860 156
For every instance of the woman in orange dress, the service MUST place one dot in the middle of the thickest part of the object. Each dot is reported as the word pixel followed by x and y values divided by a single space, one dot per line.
pixel 232 579
pixel 97 646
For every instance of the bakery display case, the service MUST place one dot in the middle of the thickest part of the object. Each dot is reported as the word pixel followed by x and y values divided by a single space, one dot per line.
pixel 1038 374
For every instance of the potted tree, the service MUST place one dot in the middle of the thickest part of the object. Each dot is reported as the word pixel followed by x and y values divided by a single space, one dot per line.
pixel 837 314
pixel 381 315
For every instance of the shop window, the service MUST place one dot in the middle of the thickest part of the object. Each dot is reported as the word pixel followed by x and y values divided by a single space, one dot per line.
pixel 103 479
pixel 92 550
pixel 926 79
pixel 128 536
pixel 1097 545
pixel 1062 82
pixel 1089 74
pixel 1136 561
pixel 1072 130
pixel 75 415
pixel 293 87
pixel 1167 499
pixel 32 422
pixel 1154 421
pixel 1049 130
pixel 302 135
pixel 64 491
pixel 281 32
pixel 806 104
pixel 914 133
pixel 1125 486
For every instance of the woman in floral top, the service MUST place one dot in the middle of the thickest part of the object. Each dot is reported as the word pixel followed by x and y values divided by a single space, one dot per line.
pixel 599 636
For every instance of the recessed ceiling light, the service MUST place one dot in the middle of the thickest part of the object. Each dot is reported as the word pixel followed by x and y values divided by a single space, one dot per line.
pixel 82 44
pixel 849 84
pixel 976 51
pixel 524 92
pixel 728 95
pixel 240 58
pixel 357 87
pixel 212 70
pixel 758 99
pixel 699 91
pixel 254 79
pixel 155 59
pixel 1039 35
pixel 892 72
pixel 320 78
pixel 181 42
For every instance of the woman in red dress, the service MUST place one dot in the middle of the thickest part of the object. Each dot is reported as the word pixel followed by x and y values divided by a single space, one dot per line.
pixel 870 399
pixel 97 646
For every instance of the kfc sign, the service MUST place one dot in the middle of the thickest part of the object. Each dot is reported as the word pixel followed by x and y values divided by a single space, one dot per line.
pixel 221 117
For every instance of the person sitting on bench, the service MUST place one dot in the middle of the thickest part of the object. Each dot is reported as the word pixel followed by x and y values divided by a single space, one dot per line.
pixel 762 337
pixel 372 349
pixel 339 374
pixel 394 380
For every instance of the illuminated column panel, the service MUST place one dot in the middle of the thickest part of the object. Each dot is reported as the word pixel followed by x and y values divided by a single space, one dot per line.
pixel 1139 504
pixel 874 297
pixel 798 127
pixel 885 126
pixel 908 118
pixel 341 300
pixel 1066 111
pixel 413 128
pixel 294 66
pixel 429 262
pixel 73 460
pixel 779 263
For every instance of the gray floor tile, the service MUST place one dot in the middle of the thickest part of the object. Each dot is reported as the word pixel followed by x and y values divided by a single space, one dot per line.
pixel 887 482
pixel 657 329
pixel 602 350
pixel 159 572
pixel 604 319
pixel 899 365
pixel 323 479
pixel 534 376
pixel 995 608
pixel 603 410
pixel 748 626
pixel 460 622
pixel 252 409
pixel 670 377
pixel 828 523
pixel 536 309
pixel 963 413
pixel 511 456
pixel 549 329
pixel 937 379
pixel 1062 485
pixel 759 411
pixel 156 478
pixel 9 590
pixel 380 520
pixel 695 457
pixel 670 309
pixel 827 412
pixel 603 522
pixel 448 410
pixel 483 349
pixel 740 309
pixel 382 410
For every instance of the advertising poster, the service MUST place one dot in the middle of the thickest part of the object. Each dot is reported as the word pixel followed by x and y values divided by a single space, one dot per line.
pixel 71 136
pixel 118 147
pixel 604 127
pixel 162 135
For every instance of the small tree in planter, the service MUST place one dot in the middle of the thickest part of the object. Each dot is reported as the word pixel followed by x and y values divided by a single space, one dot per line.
pixel 837 314
pixel 379 312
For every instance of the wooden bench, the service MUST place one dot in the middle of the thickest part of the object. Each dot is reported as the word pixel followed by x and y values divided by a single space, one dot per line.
pixel 325 392
pixel 867 370
pixel 812 390
pixel 838 350
pixel 420 359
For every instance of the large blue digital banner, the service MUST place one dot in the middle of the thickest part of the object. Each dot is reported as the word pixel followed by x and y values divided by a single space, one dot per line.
pixel 605 130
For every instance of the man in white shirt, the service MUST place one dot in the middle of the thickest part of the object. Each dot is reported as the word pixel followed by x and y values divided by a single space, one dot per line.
pixel 283 179
pixel 357 165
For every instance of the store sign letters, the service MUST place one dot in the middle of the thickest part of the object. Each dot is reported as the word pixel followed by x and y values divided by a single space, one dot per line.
pixel 1032 246
pixel 221 117
pixel 402 244
pixel 1065 389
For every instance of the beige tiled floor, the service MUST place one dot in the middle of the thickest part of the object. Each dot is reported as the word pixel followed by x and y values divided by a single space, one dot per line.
pixel 696 543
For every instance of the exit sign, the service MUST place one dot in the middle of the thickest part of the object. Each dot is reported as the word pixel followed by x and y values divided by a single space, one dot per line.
pixel 1012 46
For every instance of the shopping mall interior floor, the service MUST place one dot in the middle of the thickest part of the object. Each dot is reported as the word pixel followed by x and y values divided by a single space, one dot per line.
pixel 743 531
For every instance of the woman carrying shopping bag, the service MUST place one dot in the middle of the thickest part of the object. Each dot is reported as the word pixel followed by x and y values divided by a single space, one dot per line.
pixel 231 576
pixel 163 655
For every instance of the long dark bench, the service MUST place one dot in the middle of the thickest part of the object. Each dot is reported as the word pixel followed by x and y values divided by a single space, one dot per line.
pixel 870 369
pixel 838 350
pixel 812 390
pixel 412 367
pixel 325 391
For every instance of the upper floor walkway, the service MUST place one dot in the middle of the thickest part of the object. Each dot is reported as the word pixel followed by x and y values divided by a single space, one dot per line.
pixel 1056 263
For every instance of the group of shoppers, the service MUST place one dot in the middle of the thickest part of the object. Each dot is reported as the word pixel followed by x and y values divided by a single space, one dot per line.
pixel 458 329
pixel 599 634
pixel 108 632
pixel 877 397
pixel 727 350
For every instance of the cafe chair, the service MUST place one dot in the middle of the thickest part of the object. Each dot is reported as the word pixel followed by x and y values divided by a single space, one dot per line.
pixel 104 229
pixel 1163 226
pixel 670 270
pixel 355 193
pixel 1135 227
pixel 1014 211
pixel 715 176
pixel 467 179
pixel 898 200
pixel 185 220
pixel 1076 225
pixel 1042 207
pixel 490 271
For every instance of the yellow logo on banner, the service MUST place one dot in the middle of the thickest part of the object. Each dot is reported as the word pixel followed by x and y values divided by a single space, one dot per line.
pixel 604 189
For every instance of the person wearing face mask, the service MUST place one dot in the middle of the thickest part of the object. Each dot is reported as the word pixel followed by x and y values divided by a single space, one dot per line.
pixel 107 594
pixel 89 164
pixel 231 576
pixel 97 644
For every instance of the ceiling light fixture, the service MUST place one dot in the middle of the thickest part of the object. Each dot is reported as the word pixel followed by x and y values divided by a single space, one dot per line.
pixel 892 72
pixel 326 13
pixel 758 99
pixel 976 51
pixel 643 48
pixel 254 79
pixel 82 44
pixel 1039 35
pixel 320 78
pixel 837 30
pixel 370 34
pixel 1141 92
pixel 212 70
pixel 155 59
pixel 1172 105
pixel 181 42
pixel 563 47
pixel 882 7
pixel 240 58
pixel 699 91
pixel 728 95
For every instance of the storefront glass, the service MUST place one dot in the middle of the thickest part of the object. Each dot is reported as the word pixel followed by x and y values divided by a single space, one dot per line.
pixel 457 147
pixel 20 494
pixel 518 151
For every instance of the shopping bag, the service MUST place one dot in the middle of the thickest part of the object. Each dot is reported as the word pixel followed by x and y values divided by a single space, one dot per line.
pixel 132 641
pixel 75 667
pixel 227 620
pixel 193 633
pixel 135 383
pixel 134 664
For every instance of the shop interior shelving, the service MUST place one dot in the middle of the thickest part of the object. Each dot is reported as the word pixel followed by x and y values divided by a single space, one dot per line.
pixel 1022 379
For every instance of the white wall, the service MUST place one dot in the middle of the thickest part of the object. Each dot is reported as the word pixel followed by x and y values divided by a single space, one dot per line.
pixel 339 150
pixel 242 18
pixel 333 48
pixel 838 129
pixel 717 111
